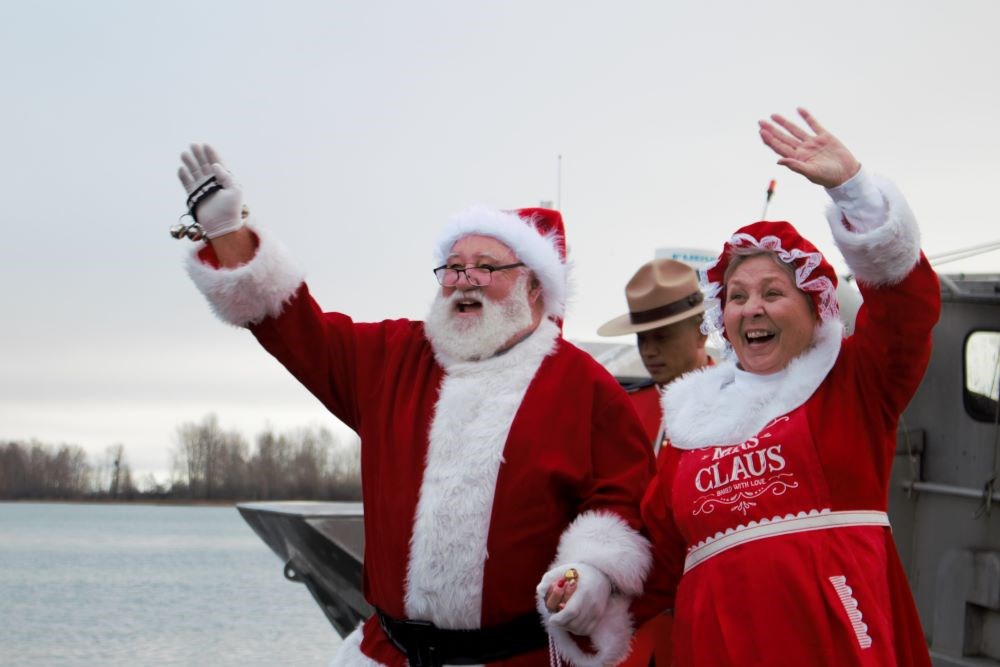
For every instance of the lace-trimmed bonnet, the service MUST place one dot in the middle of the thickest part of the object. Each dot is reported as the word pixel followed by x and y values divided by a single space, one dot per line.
pixel 813 274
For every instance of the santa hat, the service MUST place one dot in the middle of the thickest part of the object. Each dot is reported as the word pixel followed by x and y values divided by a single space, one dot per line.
pixel 536 235
pixel 813 274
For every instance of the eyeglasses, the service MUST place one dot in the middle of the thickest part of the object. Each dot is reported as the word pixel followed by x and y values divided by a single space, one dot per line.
pixel 478 276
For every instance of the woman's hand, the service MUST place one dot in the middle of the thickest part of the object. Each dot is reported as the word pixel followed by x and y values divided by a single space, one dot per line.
pixel 560 592
pixel 820 156
pixel 576 595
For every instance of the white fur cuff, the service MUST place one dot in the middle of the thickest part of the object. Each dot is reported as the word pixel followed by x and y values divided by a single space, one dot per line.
pixel 885 255
pixel 249 293
pixel 349 652
pixel 605 541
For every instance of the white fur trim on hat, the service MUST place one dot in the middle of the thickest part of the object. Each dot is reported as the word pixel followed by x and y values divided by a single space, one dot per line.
pixel 885 255
pixel 538 252
pixel 253 291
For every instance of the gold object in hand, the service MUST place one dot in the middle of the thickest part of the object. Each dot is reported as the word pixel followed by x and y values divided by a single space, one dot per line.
pixel 571 575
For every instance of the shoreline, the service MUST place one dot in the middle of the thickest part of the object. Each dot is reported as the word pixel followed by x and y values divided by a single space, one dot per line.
pixel 108 501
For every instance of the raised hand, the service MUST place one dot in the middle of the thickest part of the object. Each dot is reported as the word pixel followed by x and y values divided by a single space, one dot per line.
pixel 820 156
pixel 214 198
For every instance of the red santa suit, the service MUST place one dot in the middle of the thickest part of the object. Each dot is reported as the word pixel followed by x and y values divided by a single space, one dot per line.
pixel 770 507
pixel 478 476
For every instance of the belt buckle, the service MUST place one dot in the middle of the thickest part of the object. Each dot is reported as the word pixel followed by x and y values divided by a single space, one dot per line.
pixel 425 655
pixel 423 640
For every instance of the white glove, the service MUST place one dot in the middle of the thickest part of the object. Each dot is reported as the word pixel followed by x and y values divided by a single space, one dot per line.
pixel 585 605
pixel 220 212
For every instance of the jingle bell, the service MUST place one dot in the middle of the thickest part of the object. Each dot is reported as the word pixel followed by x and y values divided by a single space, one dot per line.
pixel 178 231
pixel 195 232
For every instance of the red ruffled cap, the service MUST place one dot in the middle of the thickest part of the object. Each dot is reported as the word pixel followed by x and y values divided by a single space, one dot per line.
pixel 813 274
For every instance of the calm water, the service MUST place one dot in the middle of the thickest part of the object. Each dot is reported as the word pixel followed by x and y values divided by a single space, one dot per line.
pixel 148 585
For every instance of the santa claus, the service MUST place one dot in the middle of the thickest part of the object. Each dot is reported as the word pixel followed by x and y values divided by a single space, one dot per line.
pixel 502 467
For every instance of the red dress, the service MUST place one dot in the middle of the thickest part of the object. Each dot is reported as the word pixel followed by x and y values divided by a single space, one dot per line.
pixel 777 544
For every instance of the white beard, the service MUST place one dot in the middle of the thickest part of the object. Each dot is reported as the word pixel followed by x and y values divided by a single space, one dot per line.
pixel 484 336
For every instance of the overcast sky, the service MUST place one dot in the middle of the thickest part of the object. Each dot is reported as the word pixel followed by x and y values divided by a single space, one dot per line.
pixel 356 128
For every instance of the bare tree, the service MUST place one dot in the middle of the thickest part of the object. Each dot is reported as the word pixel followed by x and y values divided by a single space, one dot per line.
pixel 310 462
pixel 268 466
pixel 36 470
pixel 13 471
pixel 206 457
pixel 115 475
pixel 345 471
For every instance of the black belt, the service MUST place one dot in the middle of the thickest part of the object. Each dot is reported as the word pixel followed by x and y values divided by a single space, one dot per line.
pixel 427 645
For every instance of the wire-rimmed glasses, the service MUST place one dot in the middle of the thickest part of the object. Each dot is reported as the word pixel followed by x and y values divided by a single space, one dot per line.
pixel 478 276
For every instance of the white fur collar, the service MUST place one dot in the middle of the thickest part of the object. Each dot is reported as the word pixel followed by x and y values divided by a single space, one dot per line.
pixel 709 407
pixel 474 412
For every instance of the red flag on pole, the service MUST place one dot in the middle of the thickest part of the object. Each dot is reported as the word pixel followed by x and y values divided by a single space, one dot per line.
pixel 770 193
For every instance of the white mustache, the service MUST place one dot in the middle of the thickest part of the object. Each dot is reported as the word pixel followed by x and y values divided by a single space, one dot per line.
pixel 472 293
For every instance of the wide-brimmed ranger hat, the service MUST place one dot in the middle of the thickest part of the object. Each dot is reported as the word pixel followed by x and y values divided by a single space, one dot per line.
pixel 661 292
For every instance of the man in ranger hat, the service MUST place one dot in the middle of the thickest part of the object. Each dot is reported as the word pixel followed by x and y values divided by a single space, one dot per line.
pixel 665 307
pixel 502 467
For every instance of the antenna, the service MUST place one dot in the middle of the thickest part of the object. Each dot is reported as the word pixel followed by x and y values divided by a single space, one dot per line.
pixel 963 253
pixel 559 183
pixel 770 193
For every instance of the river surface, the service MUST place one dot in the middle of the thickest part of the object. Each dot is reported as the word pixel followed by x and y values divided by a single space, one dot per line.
pixel 93 584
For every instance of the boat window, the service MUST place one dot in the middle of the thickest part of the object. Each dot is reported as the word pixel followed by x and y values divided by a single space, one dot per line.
pixel 982 375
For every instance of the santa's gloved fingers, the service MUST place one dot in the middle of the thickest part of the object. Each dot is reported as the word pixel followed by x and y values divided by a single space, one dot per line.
pixel 577 617
pixel 198 176
pixel 200 155
pixel 212 156
pixel 565 618
pixel 584 627
pixel 222 175
pixel 580 621
pixel 187 180
pixel 214 198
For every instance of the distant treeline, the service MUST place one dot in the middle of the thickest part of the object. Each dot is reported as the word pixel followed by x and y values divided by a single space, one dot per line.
pixel 208 464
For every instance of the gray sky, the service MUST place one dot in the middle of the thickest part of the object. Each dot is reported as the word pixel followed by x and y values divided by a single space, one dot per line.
pixel 356 128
